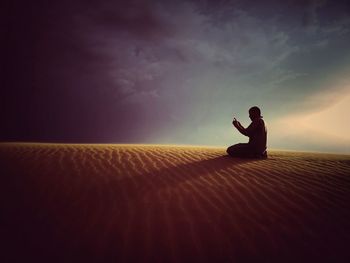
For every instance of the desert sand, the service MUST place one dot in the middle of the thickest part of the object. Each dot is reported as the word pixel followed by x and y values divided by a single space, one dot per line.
pixel 154 203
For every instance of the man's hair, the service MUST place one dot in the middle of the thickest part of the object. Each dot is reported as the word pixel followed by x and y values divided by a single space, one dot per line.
pixel 255 110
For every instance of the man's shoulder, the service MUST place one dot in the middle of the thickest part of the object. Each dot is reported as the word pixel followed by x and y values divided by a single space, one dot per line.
pixel 260 122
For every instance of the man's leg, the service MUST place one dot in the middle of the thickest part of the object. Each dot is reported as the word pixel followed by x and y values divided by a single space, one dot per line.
pixel 242 150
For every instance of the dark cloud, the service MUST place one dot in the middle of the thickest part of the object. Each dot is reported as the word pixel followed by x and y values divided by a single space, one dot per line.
pixel 56 87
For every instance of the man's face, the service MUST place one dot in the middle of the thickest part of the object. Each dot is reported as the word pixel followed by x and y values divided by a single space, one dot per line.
pixel 252 115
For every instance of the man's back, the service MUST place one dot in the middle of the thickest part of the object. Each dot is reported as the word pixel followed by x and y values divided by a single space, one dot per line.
pixel 257 134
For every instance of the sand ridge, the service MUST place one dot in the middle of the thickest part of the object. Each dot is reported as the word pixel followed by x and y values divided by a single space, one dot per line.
pixel 154 203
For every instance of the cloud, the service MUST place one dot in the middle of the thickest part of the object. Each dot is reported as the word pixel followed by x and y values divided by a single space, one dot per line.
pixel 184 66
pixel 204 54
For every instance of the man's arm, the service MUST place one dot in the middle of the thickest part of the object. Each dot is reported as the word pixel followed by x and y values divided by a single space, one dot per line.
pixel 245 131
pixel 239 127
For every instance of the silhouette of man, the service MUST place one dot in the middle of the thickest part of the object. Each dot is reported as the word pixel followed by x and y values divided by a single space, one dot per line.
pixel 257 133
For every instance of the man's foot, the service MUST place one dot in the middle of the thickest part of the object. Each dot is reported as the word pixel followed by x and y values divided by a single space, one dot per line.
pixel 260 155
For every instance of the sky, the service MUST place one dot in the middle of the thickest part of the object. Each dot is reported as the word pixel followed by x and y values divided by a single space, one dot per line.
pixel 176 72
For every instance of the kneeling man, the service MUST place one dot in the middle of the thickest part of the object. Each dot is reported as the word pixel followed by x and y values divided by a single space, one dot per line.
pixel 257 133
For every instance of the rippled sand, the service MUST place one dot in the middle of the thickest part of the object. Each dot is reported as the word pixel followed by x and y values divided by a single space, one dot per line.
pixel 150 203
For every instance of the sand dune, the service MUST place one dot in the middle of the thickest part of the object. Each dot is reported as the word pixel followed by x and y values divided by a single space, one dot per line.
pixel 152 203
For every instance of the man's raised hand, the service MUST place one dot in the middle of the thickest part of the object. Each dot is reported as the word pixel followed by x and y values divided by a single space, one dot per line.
pixel 234 122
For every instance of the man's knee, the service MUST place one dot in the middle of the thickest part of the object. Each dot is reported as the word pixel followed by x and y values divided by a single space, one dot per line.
pixel 229 150
pixel 233 150
pixel 240 150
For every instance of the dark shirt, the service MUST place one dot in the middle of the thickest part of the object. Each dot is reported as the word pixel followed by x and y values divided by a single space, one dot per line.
pixel 257 134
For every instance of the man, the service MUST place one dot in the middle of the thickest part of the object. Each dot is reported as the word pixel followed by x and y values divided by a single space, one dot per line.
pixel 257 133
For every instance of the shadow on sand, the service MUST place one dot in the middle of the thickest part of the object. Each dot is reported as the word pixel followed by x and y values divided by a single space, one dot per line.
pixel 171 175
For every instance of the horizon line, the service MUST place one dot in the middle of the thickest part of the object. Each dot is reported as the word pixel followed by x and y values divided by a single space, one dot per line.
pixel 165 145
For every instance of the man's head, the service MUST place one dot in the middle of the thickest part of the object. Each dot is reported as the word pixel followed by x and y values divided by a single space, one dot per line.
pixel 254 113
